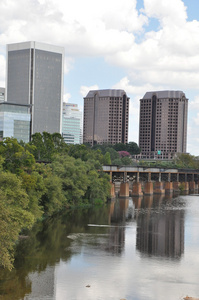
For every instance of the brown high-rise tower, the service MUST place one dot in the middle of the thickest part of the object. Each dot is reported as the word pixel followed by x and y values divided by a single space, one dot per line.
pixel 163 124
pixel 106 115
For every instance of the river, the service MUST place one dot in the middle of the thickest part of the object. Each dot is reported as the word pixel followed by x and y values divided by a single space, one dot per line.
pixel 134 249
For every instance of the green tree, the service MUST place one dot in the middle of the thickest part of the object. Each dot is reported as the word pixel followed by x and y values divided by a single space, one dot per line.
pixel 117 162
pixel 34 186
pixel 126 161
pixel 120 147
pixel 16 158
pixel 53 199
pixel 46 145
pixel 73 173
pixel 59 143
pixel 99 187
pixel 14 216
pixel 107 159
pixel 113 153
pixel 133 148
pixel 185 160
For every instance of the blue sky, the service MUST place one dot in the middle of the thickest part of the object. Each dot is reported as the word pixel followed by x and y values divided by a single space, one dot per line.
pixel 137 46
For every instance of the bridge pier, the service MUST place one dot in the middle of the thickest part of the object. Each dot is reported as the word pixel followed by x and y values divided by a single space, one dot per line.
pixel 124 189
pixel 137 189
pixel 169 187
pixel 176 186
pixel 159 188
pixel 148 188
pixel 192 186
pixel 112 190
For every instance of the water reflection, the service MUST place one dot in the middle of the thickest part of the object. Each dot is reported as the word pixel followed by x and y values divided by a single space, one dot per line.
pixel 120 212
pixel 160 232
pixel 107 247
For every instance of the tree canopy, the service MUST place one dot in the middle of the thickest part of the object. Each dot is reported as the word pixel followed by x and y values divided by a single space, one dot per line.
pixel 43 177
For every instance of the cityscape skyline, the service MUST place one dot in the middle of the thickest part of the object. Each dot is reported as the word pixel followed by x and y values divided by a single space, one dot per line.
pixel 137 46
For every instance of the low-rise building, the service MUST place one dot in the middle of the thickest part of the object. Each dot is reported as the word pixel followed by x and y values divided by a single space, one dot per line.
pixel 15 121
pixel 72 124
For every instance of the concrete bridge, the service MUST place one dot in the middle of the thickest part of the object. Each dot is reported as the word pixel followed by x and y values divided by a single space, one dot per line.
pixel 137 181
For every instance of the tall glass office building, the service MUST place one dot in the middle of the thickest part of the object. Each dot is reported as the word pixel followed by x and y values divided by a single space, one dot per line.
pixel 35 77
pixel 15 121
pixel 72 124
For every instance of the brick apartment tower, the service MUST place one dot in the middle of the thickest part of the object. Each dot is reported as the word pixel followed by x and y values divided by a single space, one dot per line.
pixel 106 114
pixel 163 124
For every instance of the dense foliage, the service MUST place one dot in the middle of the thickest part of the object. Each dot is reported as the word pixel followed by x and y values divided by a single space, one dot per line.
pixel 119 154
pixel 181 161
pixel 41 178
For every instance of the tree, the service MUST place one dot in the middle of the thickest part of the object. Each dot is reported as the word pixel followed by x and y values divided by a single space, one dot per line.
pixel 123 154
pixel 117 162
pixel 133 148
pixel 46 145
pixel 14 216
pixel 120 147
pixel 73 174
pixel 126 161
pixel 99 187
pixel 16 158
pixel 107 159
pixel 53 199
pixel 185 160
pixel 113 153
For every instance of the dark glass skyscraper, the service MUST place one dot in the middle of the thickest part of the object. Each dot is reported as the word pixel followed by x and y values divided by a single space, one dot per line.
pixel 35 77
pixel 163 124
pixel 106 114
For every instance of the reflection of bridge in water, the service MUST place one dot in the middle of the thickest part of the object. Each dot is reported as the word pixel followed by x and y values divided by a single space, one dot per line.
pixel 136 181
pixel 159 225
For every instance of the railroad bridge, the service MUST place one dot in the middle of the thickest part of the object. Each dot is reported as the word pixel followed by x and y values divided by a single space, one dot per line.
pixel 137 181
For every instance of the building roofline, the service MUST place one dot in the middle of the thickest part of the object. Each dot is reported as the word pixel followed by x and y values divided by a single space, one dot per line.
pixel 164 94
pixel 16 104
pixel 35 45
pixel 106 93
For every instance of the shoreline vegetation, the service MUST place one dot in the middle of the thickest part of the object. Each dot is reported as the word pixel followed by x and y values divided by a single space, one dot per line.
pixel 42 178
pixel 47 176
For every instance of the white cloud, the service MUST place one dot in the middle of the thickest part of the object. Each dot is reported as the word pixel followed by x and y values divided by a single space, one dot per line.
pixel 170 11
pixel 82 27
pixel 196 120
pixel 68 64
pixel 66 97
pixel 85 89
pixel 133 87
pixel 194 105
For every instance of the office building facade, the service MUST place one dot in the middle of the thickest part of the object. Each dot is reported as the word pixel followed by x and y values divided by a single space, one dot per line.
pixel 15 121
pixel 163 124
pixel 35 78
pixel 72 124
pixel 106 116
pixel 2 94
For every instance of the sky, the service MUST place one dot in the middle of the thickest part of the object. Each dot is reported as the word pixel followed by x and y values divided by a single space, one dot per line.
pixel 137 46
